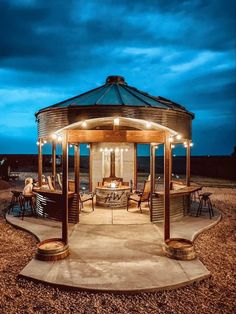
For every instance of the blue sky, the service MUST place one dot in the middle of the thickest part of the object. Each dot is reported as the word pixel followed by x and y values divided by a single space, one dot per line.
pixel 181 50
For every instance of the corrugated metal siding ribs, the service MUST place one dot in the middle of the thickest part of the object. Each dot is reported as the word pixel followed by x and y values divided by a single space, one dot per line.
pixel 52 120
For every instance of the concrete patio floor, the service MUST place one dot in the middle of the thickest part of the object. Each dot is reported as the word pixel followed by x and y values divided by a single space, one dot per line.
pixel 111 253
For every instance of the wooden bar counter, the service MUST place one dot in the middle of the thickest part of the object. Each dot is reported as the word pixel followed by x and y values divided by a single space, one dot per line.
pixel 179 202
pixel 49 204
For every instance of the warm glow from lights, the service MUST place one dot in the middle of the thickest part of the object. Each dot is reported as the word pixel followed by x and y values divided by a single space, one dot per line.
pixel 171 139
pixel 71 145
pixel 172 146
pixel 37 143
pixel 111 150
pixel 116 121
pixel 101 150
pixel 84 124
pixel 117 149
pixel 148 124
pixel 191 144
pixel 156 147
pixel 185 143
pixel 113 185
pixel 106 149
pixel 54 136
pixel 126 149
pixel 179 136
pixel 59 138
pixel 122 149
pixel 44 142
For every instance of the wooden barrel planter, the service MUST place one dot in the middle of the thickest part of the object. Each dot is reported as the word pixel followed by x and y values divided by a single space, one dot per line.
pixel 52 250
pixel 178 248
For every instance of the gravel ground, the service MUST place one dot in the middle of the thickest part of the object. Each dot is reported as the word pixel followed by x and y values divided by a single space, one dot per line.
pixel 217 294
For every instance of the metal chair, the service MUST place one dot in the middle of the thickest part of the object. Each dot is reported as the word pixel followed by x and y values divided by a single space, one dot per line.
pixel 140 197
pixel 17 199
pixel 205 199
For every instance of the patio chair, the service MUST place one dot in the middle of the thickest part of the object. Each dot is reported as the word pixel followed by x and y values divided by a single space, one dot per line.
pixel 59 180
pixel 51 187
pixel 83 198
pixel 140 197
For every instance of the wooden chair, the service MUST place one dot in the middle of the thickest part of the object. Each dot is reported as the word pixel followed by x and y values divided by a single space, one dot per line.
pixel 59 180
pixel 141 197
pixel 51 187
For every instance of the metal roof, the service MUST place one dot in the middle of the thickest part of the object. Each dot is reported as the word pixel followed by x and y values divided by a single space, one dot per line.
pixel 116 92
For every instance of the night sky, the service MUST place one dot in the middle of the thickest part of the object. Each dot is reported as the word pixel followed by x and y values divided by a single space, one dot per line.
pixel 181 50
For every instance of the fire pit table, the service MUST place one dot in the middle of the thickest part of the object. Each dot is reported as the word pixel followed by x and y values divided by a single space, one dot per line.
pixel 114 197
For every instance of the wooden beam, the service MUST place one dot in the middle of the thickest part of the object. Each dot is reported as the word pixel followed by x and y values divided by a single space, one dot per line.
pixel 65 188
pixel 135 167
pixel 40 163
pixel 77 172
pixel 167 148
pixel 90 168
pixel 128 136
pixel 188 156
pixel 54 167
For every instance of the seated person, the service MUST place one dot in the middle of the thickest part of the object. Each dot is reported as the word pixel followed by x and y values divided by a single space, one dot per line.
pixel 28 189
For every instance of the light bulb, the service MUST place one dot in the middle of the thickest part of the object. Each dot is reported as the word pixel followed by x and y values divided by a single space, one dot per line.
pixel 116 121
pixel 148 124
pixel 84 124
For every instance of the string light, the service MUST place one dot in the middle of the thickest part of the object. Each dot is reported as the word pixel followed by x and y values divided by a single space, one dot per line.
pixel 59 138
pixel 148 124
pixel 44 142
pixel 191 144
pixel 116 121
pixel 178 136
pixel 84 124
pixel 172 146
pixel 54 136
pixel 37 143
pixel 171 139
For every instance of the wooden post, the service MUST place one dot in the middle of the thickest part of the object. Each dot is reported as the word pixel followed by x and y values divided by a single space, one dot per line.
pixel 152 175
pixel 152 167
pixel 167 148
pixel 135 167
pixel 40 163
pixel 54 167
pixel 171 164
pixel 188 153
pixel 65 188
pixel 90 168
pixel 77 172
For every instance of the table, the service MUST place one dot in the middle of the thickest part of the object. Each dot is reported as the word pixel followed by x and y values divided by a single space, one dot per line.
pixel 112 197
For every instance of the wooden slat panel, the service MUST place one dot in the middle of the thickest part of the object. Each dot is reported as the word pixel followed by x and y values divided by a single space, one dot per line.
pixel 96 136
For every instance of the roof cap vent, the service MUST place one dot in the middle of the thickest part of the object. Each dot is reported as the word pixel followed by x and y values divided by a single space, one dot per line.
pixel 115 79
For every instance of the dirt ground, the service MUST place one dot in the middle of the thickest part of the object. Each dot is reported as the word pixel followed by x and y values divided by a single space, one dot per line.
pixel 217 294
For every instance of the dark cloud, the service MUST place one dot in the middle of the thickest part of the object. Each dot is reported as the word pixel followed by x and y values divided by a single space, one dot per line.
pixel 182 50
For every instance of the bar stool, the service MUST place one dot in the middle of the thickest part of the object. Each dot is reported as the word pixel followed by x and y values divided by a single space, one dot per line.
pixel 16 200
pixel 28 203
pixel 205 199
